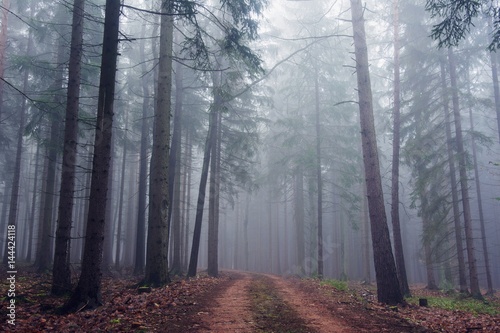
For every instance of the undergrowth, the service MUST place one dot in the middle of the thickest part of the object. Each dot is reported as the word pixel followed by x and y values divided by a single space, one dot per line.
pixel 459 303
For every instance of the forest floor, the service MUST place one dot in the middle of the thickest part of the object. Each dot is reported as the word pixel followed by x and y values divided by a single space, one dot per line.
pixel 244 302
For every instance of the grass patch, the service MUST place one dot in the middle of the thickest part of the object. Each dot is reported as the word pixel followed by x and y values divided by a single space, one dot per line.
pixel 459 303
pixel 270 312
pixel 337 284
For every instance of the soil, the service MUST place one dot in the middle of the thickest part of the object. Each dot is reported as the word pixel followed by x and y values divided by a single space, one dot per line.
pixel 302 307
pixel 234 302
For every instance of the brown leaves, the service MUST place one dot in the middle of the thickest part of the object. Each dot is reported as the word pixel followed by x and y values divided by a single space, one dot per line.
pixel 124 310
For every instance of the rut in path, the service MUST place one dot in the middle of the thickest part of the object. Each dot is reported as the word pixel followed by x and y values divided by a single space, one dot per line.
pixel 241 308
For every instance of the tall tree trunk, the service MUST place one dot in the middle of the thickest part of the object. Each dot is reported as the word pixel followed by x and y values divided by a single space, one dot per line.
pixel 14 196
pixel 462 170
pixel 396 227
pixel 88 291
pixel 140 247
pixel 187 199
pixel 454 191
pixel 175 173
pixel 159 201
pixel 3 47
pixel 195 246
pixel 119 231
pixel 489 281
pixel 366 237
pixel 319 177
pixel 31 220
pixel 214 187
pixel 61 273
pixel 299 220
pixel 494 77
pixel 388 290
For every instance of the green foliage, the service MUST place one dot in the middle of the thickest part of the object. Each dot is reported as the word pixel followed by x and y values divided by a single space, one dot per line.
pixel 337 284
pixel 460 303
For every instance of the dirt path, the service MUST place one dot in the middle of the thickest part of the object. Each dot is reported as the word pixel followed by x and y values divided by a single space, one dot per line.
pixel 267 303
pixel 230 312
pixel 262 303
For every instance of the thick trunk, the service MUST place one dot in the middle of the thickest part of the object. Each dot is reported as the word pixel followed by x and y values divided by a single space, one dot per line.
pixel 454 191
pixel 158 228
pixel 88 291
pixel 61 274
pixel 462 170
pixel 388 290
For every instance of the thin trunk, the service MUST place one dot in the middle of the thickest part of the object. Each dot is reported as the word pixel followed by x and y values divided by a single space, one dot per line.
pixel 3 47
pixel 14 196
pixel 187 199
pixel 195 246
pixel 175 173
pixel 299 220
pixel 366 235
pixel 120 200
pixel 462 169
pixel 61 273
pixel 159 201
pixel 480 201
pixel 319 178
pixel 88 291
pixel 396 227
pixel 388 290
pixel 454 191
pixel 496 86
pixel 31 220
pixel 140 247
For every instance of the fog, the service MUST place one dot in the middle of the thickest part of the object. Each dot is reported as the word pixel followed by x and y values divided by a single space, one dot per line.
pixel 276 111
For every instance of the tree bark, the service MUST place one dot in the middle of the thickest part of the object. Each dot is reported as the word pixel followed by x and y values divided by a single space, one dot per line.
pixel 140 248
pixel 454 191
pixel 88 291
pixel 175 173
pixel 319 177
pixel 14 196
pixel 158 226
pixel 484 243
pixel 195 246
pixel 3 46
pixel 388 290
pixel 61 273
pixel 396 226
pixel 462 170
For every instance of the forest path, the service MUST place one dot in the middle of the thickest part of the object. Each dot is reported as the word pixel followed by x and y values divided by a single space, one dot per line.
pixel 253 302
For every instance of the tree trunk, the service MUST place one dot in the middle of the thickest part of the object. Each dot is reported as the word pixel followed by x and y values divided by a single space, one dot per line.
pixel 299 220
pixel 462 169
pixel 88 291
pixel 119 231
pixel 158 228
pixel 61 273
pixel 3 47
pixel 319 177
pixel 213 221
pixel 140 248
pixel 14 196
pixel 396 227
pixel 195 246
pixel 454 191
pixel 175 173
pixel 388 290
pixel 489 281
pixel 31 219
